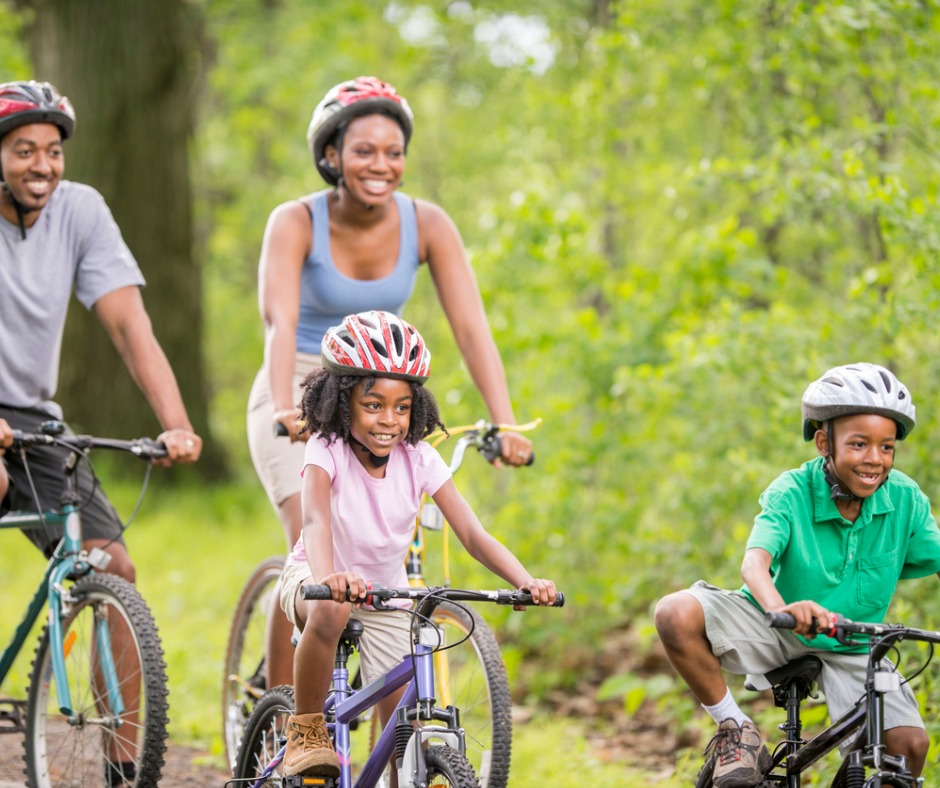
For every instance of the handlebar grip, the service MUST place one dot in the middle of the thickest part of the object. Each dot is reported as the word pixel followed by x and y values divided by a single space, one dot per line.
pixel 316 591
pixel 780 620
pixel 492 449
pixel 525 598
pixel 280 431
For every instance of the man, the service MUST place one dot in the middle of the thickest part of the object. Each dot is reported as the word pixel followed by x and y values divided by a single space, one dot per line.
pixel 56 236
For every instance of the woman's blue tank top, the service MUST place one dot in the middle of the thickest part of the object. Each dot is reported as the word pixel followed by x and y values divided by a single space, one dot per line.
pixel 327 296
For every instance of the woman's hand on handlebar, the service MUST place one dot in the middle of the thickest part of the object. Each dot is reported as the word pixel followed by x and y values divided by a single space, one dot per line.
pixel 339 582
pixel 182 446
pixel 290 425
pixel 811 618
pixel 516 449
pixel 543 591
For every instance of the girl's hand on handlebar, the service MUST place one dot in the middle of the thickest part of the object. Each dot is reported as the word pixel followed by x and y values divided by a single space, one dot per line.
pixel 340 581
pixel 182 446
pixel 516 449
pixel 811 618
pixel 543 591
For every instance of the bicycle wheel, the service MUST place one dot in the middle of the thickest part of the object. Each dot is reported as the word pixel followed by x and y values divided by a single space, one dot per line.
pixel 446 766
pixel 63 753
pixel 265 733
pixel 243 677
pixel 472 677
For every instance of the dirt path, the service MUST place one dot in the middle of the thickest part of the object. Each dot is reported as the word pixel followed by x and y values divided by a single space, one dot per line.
pixel 184 767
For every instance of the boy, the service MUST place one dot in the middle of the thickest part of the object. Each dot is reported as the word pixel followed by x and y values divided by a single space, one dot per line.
pixel 834 535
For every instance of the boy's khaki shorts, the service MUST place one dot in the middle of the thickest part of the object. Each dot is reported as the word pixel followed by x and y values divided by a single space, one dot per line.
pixel 386 637
pixel 744 644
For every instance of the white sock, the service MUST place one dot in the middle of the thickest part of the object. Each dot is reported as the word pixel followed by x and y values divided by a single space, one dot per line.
pixel 725 708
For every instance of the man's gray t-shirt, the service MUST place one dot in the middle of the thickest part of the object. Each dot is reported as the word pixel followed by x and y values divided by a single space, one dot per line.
pixel 75 244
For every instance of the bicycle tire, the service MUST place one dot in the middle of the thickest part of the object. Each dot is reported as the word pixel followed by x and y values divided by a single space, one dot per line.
pixel 264 733
pixel 60 754
pixel 478 687
pixel 243 677
pixel 447 767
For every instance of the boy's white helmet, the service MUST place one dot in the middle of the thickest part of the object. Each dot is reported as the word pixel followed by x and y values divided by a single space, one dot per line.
pixel 857 388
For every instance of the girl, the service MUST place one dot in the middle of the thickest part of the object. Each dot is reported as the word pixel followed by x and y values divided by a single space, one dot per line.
pixel 364 473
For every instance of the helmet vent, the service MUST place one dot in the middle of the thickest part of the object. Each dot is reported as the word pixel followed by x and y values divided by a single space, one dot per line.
pixel 886 380
pixel 870 387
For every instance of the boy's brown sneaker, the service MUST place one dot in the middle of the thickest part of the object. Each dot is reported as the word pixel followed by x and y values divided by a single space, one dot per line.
pixel 309 749
pixel 741 757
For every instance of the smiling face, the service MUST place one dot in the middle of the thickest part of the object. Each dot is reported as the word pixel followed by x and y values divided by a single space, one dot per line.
pixel 862 454
pixel 380 417
pixel 32 162
pixel 373 158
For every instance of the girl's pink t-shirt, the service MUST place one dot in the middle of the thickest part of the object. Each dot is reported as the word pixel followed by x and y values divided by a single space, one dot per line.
pixel 373 520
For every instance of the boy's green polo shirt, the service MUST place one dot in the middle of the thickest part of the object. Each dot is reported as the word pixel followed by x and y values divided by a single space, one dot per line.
pixel 848 568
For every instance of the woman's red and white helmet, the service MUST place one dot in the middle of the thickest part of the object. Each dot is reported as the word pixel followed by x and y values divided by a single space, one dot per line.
pixel 857 388
pixel 376 343
pixel 348 100
pixel 22 103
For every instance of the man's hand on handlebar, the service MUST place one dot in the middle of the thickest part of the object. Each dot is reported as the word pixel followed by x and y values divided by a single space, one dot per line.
pixel 182 446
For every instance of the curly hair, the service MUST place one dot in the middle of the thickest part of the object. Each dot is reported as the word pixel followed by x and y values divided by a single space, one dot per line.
pixel 325 406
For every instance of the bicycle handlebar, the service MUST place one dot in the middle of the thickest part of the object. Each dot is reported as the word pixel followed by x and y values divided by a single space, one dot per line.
pixel 517 597
pixel 52 434
pixel 883 634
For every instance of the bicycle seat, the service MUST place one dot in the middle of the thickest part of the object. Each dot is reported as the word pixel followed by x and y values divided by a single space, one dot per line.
pixel 353 631
pixel 803 671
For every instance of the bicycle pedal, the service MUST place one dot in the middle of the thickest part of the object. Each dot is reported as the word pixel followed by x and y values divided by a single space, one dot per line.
pixel 12 716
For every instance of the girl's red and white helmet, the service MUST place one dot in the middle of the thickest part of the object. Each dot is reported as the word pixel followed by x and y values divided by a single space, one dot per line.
pixel 348 100
pixel 857 388
pixel 22 103
pixel 376 343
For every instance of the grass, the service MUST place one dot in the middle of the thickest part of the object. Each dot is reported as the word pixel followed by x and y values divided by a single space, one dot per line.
pixel 193 549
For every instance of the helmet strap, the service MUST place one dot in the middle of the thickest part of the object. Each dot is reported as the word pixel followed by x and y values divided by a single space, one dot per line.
pixel 20 212
pixel 374 459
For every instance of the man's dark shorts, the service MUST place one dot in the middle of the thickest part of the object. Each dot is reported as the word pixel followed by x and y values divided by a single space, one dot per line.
pixel 42 476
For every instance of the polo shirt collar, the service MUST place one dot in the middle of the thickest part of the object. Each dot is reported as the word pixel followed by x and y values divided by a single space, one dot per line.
pixel 825 509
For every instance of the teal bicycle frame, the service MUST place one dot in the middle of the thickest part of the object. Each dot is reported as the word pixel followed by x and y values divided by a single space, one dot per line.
pixel 68 561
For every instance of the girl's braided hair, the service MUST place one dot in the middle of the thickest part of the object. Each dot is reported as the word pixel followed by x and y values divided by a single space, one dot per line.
pixel 325 406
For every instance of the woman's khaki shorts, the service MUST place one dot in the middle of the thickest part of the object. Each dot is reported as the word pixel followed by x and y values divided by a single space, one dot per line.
pixel 744 644
pixel 386 636
pixel 277 461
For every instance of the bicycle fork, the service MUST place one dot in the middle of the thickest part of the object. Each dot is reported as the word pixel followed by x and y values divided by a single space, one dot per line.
pixel 59 601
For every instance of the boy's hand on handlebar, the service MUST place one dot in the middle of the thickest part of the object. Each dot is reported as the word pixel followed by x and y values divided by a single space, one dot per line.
pixel 543 591
pixel 340 581
pixel 811 618
pixel 182 446
pixel 516 449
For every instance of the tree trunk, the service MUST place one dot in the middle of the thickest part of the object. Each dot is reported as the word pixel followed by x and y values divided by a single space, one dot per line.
pixel 131 69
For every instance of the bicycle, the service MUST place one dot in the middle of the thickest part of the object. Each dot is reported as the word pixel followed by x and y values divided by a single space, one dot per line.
pixel 79 718
pixel 428 741
pixel 475 681
pixel 867 763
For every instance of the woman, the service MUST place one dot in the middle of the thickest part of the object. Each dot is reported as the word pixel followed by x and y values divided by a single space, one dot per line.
pixel 351 248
